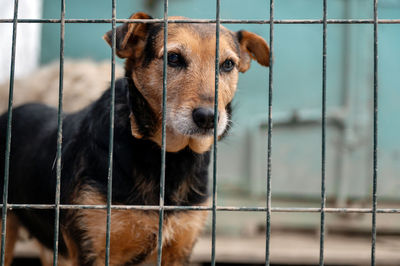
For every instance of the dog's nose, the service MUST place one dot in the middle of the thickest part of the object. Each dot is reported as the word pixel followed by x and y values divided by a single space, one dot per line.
pixel 203 117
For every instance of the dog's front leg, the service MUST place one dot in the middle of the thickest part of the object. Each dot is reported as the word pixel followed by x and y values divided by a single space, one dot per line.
pixel 11 236
pixel 188 225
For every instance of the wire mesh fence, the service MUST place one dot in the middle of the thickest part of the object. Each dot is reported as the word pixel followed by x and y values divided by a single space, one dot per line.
pixel 214 208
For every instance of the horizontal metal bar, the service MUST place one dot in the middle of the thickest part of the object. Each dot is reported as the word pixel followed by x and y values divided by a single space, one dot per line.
pixel 295 209
pixel 202 208
pixel 223 21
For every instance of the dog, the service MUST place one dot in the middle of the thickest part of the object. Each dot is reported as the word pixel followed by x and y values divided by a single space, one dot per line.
pixel 137 152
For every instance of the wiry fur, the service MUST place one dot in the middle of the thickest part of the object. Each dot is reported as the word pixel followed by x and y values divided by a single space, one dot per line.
pixel 137 155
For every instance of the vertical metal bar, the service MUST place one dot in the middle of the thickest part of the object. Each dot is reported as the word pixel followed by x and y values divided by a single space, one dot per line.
pixel 323 138
pixel 163 137
pixel 375 147
pixel 8 136
pixel 111 140
pixel 270 124
pixel 214 189
pixel 59 138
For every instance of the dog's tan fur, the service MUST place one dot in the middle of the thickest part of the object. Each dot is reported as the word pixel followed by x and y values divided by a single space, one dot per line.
pixel 12 237
pixel 189 89
pixel 134 232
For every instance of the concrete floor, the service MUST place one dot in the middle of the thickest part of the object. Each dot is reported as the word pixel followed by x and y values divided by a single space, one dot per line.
pixel 286 248
pixel 301 249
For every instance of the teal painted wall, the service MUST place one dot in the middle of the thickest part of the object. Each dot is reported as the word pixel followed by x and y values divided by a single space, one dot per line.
pixel 389 107
pixel 83 40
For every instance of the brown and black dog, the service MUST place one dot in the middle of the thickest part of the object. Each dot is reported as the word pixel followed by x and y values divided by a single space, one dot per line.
pixel 137 159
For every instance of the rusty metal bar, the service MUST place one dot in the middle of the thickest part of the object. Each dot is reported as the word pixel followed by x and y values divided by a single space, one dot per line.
pixel 8 137
pixel 214 177
pixel 202 208
pixel 111 132
pixel 206 21
pixel 269 141
pixel 163 137
pixel 323 138
pixel 59 138
pixel 375 140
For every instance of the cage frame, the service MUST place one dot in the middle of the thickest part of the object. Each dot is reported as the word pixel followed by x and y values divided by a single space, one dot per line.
pixel 57 206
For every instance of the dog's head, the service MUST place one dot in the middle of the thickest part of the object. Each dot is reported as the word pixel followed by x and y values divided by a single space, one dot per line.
pixel 190 75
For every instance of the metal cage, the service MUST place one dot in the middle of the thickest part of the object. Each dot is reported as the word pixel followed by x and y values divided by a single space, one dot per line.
pixel 214 208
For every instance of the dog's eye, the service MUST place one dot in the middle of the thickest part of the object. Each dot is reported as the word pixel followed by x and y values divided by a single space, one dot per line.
pixel 227 65
pixel 175 60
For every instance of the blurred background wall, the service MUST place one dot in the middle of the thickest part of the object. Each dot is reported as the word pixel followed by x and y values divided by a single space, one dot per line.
pixel 28 39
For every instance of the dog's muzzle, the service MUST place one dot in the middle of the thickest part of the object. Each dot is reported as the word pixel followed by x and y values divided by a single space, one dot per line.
pixel 203 117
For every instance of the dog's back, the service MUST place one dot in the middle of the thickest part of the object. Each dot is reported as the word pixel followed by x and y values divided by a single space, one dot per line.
pixel 31 162
pixel 33 128
pixel 33 132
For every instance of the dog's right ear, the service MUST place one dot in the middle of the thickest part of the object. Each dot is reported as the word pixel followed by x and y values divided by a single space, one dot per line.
pixel 129 36
pixel 254 47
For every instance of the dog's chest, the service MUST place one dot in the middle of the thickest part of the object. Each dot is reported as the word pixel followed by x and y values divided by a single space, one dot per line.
pixel 134 233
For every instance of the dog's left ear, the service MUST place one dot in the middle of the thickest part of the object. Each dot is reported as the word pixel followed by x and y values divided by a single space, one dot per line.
pixel 254 47
pixel 129 36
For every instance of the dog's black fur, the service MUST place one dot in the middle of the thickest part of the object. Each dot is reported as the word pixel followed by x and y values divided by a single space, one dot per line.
pixel 85 159
pixel 136 165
